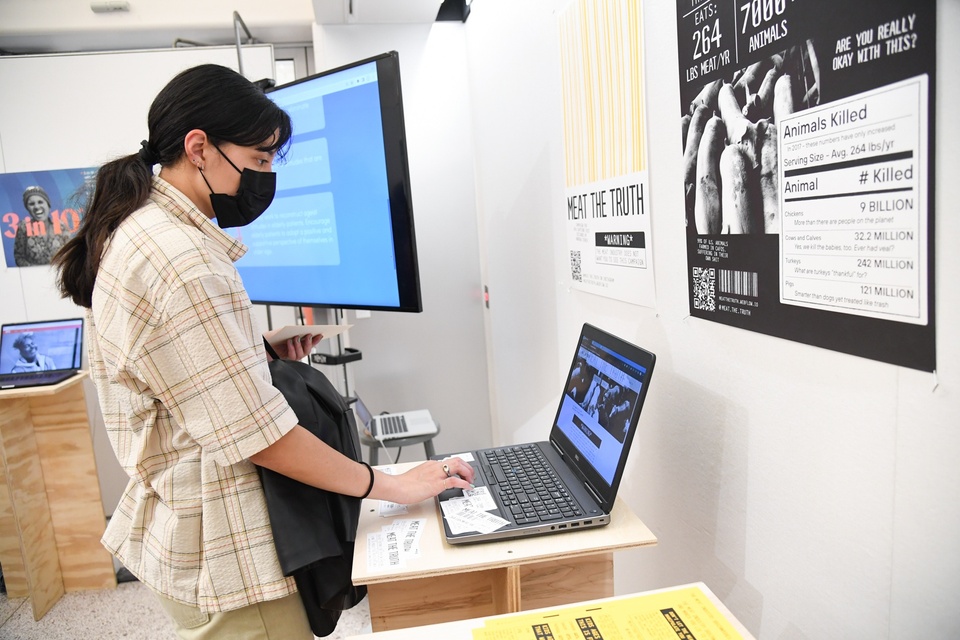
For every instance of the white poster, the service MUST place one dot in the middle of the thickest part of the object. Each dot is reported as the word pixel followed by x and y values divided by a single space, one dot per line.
pixel 607 192
pixel 854 197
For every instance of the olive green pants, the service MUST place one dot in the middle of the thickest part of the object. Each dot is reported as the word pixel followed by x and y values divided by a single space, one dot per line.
pixel 283 619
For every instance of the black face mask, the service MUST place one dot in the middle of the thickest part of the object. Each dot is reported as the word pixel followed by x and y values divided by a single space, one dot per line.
pixel 254 195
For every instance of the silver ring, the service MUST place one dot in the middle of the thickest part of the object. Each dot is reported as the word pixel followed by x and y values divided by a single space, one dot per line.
pixel 446 470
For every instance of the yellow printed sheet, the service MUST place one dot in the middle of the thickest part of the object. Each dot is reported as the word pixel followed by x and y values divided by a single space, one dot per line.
pixel 679 614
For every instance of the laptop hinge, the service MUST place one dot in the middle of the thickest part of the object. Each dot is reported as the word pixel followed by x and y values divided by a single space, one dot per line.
pixel 557 447
pixel 596 496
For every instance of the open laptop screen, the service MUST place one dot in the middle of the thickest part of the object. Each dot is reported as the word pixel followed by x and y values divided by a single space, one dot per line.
pixel 53 345
pixel 363 414
pixel 601 405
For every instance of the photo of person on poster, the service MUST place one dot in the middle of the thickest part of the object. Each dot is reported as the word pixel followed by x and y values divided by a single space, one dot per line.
pixel 40 211
pixel 37 238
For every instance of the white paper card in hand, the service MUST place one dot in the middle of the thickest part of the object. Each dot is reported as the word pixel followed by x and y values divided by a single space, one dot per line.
pixel 296 330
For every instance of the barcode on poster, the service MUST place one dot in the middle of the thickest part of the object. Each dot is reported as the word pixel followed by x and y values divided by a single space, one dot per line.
pixel 704 289
pixel 740 283
pixel 575 265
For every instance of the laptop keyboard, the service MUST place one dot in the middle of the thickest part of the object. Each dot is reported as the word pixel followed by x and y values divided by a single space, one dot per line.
pixel 393 425
pixel 18 378
pixel 15 379
pixel 529 489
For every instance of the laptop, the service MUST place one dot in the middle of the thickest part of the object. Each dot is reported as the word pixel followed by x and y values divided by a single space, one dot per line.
pixel 570 481
pixel 394 426
pixel 34 354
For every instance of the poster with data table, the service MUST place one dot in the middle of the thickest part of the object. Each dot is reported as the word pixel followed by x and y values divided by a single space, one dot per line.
pixel 808 135
pixel 853 237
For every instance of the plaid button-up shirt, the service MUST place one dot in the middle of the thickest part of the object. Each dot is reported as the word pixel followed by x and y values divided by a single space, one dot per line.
pixel 185 390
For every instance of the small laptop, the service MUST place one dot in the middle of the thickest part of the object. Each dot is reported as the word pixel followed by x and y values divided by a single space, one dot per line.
pixel 34 354
pixel 569 482
pixel 394 426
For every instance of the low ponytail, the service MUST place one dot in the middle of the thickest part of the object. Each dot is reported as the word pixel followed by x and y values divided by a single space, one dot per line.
pixel 121 187
pixel 208 97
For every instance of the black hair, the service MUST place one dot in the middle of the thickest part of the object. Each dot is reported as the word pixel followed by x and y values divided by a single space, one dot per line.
pixel 218 101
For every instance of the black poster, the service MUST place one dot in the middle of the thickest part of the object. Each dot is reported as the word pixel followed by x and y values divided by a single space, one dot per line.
pixel 808 143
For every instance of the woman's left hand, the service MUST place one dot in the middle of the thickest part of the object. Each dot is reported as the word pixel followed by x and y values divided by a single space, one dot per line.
pixel 297 348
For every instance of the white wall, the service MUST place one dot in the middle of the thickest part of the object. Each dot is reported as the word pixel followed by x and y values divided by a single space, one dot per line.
pixel 816 493
pixel 435 359
pixel 76 127
pixel 514 76
pixel 40 26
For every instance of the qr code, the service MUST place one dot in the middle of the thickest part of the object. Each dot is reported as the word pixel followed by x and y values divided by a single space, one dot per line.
pixel 704 289
pixel 575 265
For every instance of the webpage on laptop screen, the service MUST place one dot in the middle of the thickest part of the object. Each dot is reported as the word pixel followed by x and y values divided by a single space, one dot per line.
pixel 44 346
pixel 598 405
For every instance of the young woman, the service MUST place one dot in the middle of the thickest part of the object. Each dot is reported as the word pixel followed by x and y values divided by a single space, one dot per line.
pixel 180 369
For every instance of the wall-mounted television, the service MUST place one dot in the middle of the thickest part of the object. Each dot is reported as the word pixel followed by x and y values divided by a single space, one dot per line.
pixel 339 233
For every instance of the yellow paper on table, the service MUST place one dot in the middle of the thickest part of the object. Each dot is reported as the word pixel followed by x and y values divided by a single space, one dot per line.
pixel 678 614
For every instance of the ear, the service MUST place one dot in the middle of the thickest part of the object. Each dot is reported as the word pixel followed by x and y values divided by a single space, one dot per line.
pixel 194 144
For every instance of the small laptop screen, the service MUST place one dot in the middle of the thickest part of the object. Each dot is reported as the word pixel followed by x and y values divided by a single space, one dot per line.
pixel 602 396
pixel 363 414
pixel 53 345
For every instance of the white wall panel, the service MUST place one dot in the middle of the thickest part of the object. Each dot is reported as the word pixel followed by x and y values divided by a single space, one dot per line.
pixel 81 110
pixel 436 359
pixel 814 492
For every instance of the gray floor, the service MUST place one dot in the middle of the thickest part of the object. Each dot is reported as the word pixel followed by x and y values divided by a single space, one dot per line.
pixel 130 611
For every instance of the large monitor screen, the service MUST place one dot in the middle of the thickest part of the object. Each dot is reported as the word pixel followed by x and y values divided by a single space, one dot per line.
pixel 340 231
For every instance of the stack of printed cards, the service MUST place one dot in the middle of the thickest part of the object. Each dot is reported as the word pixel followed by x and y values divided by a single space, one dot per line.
pixel 470 513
